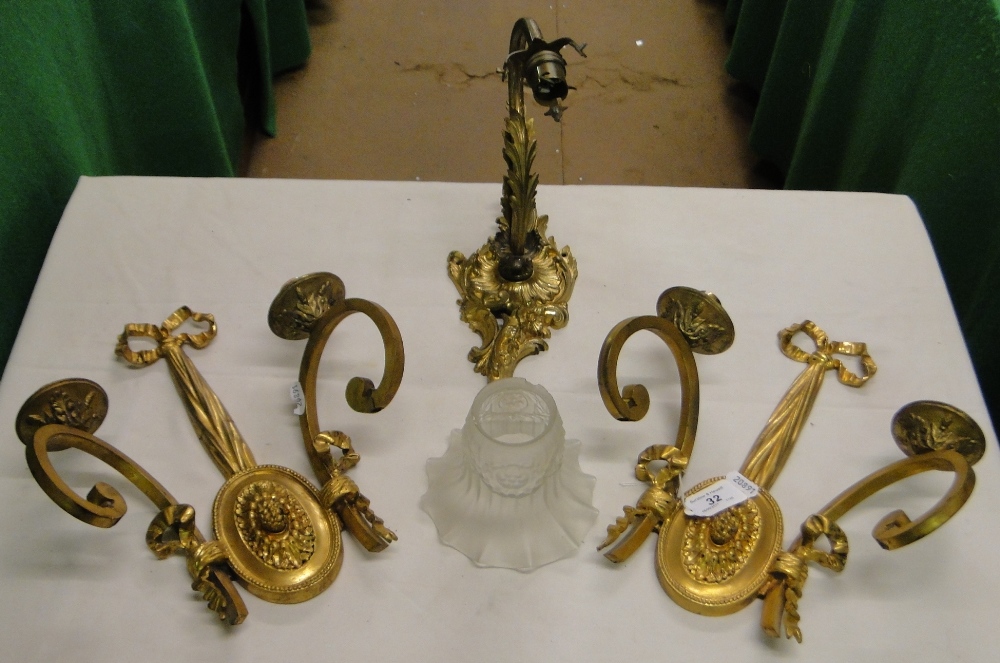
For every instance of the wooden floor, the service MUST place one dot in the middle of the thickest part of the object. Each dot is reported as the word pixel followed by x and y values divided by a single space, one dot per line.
pixel 399 90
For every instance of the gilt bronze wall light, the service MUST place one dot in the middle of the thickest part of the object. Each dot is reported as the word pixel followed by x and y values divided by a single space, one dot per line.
pixel 515 289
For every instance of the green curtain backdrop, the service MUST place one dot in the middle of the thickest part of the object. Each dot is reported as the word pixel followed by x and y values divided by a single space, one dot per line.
pixel 118 87
pixel 894 96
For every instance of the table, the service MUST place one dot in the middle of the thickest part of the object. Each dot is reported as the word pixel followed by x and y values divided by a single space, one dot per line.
pixel 134 249
pixel 892 96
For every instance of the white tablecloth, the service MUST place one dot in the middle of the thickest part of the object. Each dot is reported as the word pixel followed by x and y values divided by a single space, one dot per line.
pixel 134 249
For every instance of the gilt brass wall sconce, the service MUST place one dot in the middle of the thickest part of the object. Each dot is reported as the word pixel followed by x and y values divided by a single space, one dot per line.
pixel 515 289
pixel 719 544
pixel 275 532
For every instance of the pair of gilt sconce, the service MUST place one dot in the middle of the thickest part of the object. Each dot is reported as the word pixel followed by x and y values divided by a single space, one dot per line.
pixel 276 533
pixel 719 544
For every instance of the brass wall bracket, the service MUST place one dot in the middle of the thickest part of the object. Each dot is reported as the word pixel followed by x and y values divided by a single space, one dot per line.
pixel 66 414
pixel 716 565
pixel 275 532
pixel 515 289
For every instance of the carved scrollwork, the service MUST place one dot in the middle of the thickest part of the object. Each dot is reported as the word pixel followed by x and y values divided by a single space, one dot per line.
pixel 514 319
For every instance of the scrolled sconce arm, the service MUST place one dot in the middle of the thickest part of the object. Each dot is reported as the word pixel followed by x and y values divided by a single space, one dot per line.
pixel 660 501
pixel 893 531
pixel 632 402
pixel 361 393
pixel 687 321
pixel 312 307
pixel 104 505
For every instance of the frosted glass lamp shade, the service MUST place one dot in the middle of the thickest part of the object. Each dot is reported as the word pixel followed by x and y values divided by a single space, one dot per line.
pixel 509 491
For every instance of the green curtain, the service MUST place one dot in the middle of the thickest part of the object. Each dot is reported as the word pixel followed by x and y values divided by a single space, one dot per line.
pixel 894 96
pixel 118 87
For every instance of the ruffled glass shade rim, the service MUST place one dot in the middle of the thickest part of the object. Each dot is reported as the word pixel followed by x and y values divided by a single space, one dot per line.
pixel 521 533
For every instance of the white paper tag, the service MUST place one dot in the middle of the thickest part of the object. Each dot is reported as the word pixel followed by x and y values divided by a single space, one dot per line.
pixel 721 495
pixel 298 398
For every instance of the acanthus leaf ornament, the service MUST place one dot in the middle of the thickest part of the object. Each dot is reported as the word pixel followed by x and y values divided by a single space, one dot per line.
pixel 515 289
